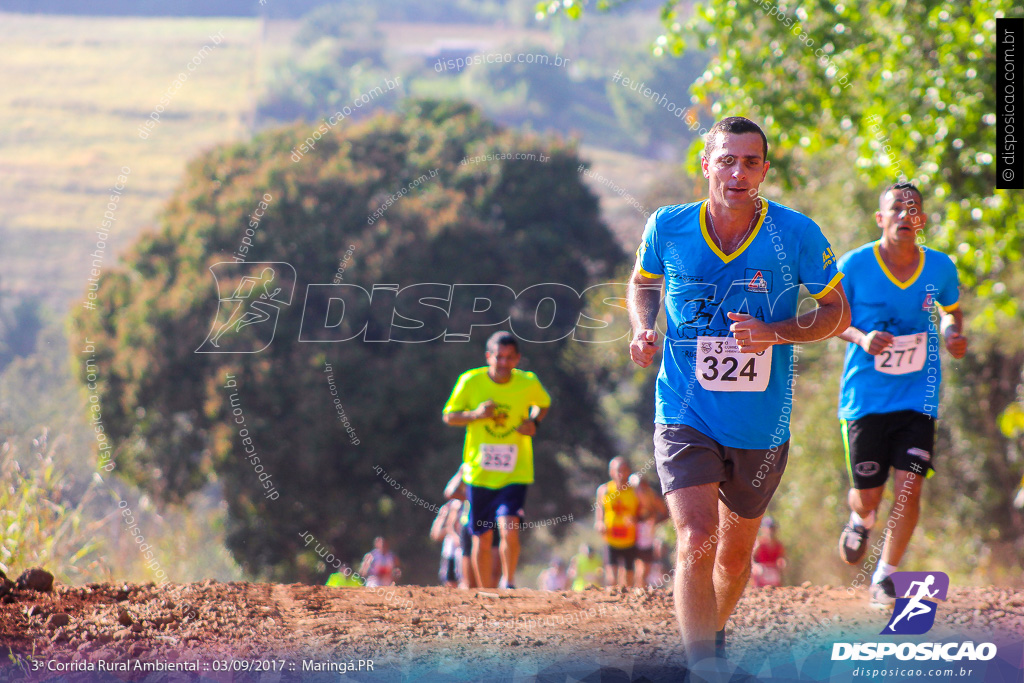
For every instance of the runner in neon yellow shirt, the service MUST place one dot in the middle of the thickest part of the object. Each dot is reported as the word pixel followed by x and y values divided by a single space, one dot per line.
pixel 344 580
pixel 500 407
pixel 585 569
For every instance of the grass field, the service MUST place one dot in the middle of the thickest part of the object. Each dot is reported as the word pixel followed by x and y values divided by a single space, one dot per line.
pixel 77 89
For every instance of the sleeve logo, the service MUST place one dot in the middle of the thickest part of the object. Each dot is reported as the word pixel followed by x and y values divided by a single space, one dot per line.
pixel 827 258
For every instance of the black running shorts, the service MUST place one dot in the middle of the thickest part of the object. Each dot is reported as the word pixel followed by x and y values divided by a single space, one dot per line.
pixel 903 440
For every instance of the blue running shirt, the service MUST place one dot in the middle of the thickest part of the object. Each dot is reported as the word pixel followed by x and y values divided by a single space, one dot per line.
pixel 878 301
pixel 762 278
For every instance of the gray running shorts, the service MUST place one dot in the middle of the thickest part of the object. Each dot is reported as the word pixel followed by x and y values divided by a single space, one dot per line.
pixel 747 477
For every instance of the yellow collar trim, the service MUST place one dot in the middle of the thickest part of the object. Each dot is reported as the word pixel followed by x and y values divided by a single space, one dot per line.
pixel 888 274
pixel 705 207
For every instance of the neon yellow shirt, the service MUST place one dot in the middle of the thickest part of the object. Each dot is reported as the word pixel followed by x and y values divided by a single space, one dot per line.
pixel 621 509
pixel 339 580
pixel 588 572
pixel 495 454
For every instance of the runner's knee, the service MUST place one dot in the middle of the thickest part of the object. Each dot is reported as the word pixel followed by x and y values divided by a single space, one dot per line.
pixel 866 499
pixel 733 564
pixel 696 543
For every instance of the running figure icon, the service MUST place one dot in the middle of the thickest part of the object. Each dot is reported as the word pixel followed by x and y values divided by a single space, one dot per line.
pixel 250 298
pixel 914 606
pixel 244 296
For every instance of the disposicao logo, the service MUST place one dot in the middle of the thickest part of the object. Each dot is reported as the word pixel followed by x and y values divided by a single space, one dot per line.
pixel 914 614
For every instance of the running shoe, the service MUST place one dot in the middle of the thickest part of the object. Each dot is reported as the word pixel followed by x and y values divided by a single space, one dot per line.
pixel 883 593
pixel 853 543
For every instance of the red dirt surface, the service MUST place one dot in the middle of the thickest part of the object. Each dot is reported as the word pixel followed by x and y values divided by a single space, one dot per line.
pixel 408 628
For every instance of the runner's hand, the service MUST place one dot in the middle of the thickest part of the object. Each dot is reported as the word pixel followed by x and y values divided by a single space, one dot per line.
pixel 642 348
pixel 484 410
pixel 956 343
pixel 751 334
pixel 601 527
pixel 527 428
pixel 876 341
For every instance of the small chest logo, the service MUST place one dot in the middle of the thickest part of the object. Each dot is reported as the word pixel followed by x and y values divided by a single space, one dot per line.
pixel 929 301
pixel 758 280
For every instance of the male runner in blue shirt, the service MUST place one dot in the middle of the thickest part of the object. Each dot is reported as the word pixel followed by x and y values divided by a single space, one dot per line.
pixel 889 397
pixel 731 267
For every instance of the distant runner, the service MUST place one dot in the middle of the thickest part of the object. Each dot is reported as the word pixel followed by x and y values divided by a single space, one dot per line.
pixel 616 513
pixel 731 267
pixel 446 529
pixel 345 578
pixel 380 565
pixel 889 396
pixel 455 490
pixel 585 569
pixel 554 578
pixel 654 513
pixel 769 556
pixel 501 408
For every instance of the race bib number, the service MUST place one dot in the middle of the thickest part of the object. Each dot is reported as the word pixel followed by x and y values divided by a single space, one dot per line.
pixel 722 367
pixel 906 354
pixel 499 457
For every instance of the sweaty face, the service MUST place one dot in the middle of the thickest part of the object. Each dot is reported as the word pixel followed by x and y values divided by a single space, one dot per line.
pixel 900 215
pixel 735 169
pixel 502 362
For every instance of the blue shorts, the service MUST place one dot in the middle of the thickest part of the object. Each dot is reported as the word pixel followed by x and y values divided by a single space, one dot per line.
pixel 487 505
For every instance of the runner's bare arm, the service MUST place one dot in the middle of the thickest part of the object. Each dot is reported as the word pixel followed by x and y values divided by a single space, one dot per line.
pixel 461 418
pixel 830 318
pixel 952 332
pixel 452 488
pixel 437 529
pixel 643 300
pixel 599 510
pixel 873 342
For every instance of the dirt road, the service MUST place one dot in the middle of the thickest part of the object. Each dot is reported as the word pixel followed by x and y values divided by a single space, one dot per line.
pixel 414 633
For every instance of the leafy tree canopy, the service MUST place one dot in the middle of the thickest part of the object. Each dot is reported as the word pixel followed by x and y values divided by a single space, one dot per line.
pixel 166 408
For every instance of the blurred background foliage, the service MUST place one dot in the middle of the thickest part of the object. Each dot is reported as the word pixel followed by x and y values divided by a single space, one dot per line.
pixel 919 71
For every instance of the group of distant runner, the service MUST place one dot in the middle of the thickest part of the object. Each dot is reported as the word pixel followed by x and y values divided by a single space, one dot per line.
pixel 729 271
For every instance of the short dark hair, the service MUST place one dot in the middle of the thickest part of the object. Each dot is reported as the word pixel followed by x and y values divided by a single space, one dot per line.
pixel 502 338
pixel 736 125
pixel 899 186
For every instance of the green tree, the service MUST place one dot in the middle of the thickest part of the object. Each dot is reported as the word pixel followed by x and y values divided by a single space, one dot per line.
pixel 513 222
